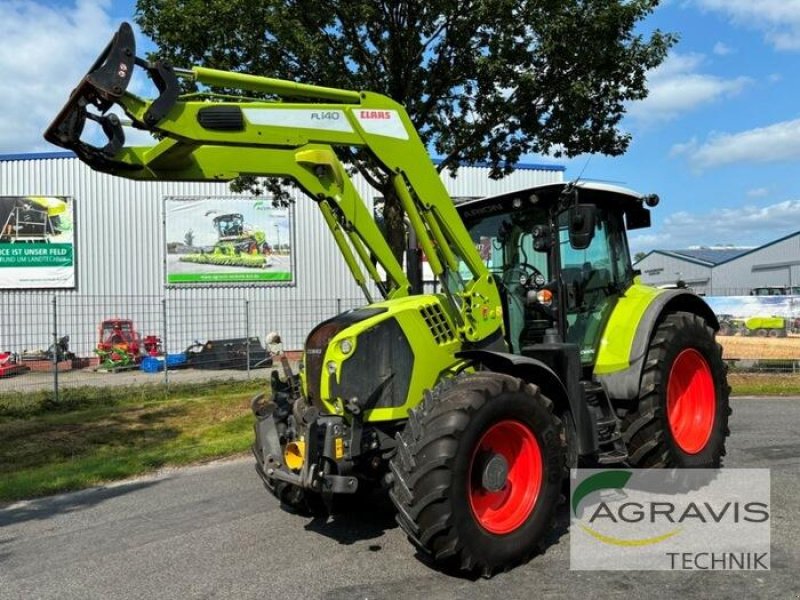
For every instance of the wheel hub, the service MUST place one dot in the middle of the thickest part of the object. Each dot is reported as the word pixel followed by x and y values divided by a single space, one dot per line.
pixel 691 401
pixel 505 476
pixel 494 472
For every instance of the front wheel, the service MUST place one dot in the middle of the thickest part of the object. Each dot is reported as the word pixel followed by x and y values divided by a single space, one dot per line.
pixel 681 419
pixel 478 470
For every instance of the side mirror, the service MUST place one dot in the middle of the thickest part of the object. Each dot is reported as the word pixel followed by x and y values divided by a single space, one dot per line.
pixel 582 220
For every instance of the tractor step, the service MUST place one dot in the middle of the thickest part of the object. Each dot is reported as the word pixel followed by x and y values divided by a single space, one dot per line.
pixel 612 457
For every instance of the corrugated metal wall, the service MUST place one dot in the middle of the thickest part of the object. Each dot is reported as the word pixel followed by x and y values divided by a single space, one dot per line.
pixel 120 255
pixel 775 264
pixel 660 269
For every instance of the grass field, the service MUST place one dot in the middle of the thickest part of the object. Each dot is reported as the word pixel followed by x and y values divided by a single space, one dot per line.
pixel 53 448
pixel 759 348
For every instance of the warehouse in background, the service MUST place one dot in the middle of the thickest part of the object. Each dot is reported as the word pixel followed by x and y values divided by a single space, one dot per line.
pixel 121 253
pixel 771 269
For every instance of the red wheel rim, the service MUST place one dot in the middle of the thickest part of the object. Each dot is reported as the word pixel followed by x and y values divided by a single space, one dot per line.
pixel 505 510
pixel 691 401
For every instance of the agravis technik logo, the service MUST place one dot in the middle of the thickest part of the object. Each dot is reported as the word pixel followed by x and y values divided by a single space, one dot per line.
pixel 679 519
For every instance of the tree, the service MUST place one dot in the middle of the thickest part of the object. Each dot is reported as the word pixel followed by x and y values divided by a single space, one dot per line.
pixel 482 80
pixel 188 238
pixel 639 256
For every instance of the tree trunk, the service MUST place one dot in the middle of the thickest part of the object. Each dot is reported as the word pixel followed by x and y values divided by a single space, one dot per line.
pixel 394 221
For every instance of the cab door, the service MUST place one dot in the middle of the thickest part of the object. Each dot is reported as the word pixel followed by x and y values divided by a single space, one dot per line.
pixel 593 279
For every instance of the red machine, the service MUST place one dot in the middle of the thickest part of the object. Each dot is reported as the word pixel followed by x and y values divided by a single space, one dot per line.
pixel 119 341
pixel 152 345
pixel 9 365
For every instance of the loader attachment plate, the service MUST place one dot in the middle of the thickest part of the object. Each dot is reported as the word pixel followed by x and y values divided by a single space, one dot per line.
pixel 101 88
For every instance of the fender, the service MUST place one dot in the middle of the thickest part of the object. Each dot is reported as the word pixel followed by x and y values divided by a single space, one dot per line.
pixel 538 373
pixel 624 384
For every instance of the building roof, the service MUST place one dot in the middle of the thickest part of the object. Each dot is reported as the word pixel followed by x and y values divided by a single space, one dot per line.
pixel 706 257
pixel 68 154
pixel 712 256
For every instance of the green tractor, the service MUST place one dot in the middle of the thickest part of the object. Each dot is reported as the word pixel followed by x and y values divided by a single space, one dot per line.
pixel 238 244
pixel 467 406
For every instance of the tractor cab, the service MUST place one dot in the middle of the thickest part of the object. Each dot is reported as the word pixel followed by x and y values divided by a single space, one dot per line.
pixel 229 225
pixel 560 255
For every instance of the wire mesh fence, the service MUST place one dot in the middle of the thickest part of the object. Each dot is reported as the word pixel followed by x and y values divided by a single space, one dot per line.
pixel 59 341
pixel 51 342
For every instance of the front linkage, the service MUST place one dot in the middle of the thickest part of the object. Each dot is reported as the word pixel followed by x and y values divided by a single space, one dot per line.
pixel 304 456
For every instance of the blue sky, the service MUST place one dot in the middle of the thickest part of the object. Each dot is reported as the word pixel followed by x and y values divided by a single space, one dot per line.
pixel 718 139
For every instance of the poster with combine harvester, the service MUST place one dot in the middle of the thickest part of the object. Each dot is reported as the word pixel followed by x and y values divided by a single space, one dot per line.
pixel 37 242
pixel 227 241
pixel 758 327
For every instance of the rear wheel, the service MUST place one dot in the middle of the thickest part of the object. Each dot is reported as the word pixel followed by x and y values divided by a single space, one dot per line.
pixel 682 416
pixel 478 471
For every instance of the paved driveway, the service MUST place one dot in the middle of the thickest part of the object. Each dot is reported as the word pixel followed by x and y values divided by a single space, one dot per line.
pixel 212 532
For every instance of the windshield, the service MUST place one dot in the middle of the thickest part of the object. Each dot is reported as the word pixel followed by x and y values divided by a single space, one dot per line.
pixel 505 243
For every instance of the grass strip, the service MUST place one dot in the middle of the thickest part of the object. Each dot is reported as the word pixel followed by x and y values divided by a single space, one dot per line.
pixel 63 451
pixel 764 384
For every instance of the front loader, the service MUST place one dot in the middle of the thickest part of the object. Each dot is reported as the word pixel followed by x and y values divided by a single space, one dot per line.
pixel 469 405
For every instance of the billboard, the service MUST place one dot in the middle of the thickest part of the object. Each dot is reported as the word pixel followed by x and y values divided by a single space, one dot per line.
pixel 227 241
pixel 37 242
pixel 758 327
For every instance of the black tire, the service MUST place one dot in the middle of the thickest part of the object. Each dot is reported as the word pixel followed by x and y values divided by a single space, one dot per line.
pixel 432 485
pixel 647 430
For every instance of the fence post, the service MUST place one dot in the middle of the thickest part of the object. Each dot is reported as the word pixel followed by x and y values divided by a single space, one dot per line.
pixel 338 306
pixel 55 348
pixel 247 332
pixel 164 342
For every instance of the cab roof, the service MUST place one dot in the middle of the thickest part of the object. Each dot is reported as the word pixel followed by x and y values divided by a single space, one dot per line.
pixel 551 191
pixel 549 196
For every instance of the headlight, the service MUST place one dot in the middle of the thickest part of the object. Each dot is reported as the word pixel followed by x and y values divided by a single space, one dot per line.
pixel 346 346
pixel 332 366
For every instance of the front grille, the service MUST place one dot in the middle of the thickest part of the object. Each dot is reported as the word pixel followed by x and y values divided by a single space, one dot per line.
pixel 437 323
pixel 378 374
pixel 317 343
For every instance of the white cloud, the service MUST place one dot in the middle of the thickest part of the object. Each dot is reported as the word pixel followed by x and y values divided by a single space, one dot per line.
pixel 774 143
pixel 684 148
pixel 779 20
pixel 743 226
pixel 677 86
pixel 758 192
pixel 46 49
pixel 722 49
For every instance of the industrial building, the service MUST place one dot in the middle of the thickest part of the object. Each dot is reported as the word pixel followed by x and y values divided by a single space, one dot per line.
pixel 726 271
pixel 120 258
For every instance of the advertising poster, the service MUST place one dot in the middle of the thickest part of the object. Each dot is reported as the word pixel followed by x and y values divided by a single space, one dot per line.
pixel 37 242
pixel 758 327
pixel 227 241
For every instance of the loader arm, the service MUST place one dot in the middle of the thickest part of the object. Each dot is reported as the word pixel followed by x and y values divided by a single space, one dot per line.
pixel 218 138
